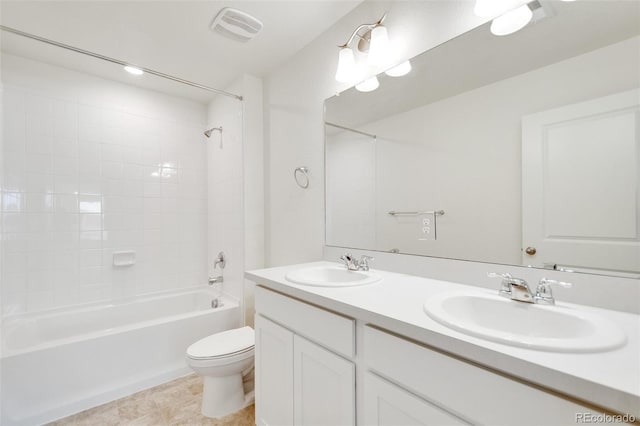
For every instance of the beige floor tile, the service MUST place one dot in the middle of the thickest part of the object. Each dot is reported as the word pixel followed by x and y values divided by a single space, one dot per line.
pixel 152 419
pixel 187 414
pixel 244 417
pixel 67 421
pixel 195 388
pixel 174 403
pixel 104 415
pixel 134 407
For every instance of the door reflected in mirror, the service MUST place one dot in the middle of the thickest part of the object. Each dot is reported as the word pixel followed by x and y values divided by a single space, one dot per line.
pixel 528 144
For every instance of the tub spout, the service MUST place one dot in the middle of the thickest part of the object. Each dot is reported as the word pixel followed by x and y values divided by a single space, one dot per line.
pixel 216 280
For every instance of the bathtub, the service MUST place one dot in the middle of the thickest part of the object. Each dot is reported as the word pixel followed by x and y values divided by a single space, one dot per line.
pixel 59 362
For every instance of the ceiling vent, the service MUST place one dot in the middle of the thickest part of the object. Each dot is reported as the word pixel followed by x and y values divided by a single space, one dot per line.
pixel 236 24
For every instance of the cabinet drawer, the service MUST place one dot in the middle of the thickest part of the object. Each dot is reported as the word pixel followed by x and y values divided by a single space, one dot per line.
pixel 326 328
pixel 469 392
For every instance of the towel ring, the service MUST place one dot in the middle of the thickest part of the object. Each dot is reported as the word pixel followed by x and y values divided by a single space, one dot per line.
pixel 300 174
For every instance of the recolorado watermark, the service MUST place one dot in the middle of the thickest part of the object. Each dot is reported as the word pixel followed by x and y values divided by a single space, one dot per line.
pixel 604 418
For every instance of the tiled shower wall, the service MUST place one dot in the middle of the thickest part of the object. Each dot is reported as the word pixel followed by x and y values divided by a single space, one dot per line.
pixel 93 166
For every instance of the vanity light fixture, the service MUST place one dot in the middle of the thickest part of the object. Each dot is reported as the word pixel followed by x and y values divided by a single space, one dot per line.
pixel 512 21
pixel 372 39
pixel 369 85
pixel 399 70
pixel 508 16
pixel 133 70
pixel 347 70
pixel 378 46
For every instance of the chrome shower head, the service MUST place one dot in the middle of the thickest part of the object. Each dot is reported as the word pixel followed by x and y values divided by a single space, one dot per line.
pixel 208 133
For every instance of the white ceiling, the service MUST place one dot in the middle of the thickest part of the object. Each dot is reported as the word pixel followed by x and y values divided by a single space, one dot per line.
pixel 168 36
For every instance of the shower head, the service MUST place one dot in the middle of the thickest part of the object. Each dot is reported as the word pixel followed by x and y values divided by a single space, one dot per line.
pixel 207 133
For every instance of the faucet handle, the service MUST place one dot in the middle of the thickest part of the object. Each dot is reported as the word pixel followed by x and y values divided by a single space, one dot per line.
pixel 347 258
pixel 504 276
pixel 349 261
pixel 544 294
pixel 363 263
pixel 546 282
pixel 507 281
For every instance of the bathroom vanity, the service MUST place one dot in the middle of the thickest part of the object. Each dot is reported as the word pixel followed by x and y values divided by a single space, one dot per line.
pixel 370 355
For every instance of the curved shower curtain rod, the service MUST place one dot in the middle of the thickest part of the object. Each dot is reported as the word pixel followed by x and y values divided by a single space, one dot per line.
pixel 117 61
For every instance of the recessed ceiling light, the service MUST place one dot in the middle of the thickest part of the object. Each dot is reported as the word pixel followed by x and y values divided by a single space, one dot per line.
pixel 133 70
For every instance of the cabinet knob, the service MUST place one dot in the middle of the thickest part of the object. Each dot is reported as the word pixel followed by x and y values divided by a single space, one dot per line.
pixel 530 251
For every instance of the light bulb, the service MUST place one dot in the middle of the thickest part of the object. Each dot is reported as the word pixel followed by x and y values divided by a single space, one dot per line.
pixel 399 70
pixel 378 47
pixel 511 21
pixel 368 85
pixel 346 72
pixel 493 8
pixel 133 70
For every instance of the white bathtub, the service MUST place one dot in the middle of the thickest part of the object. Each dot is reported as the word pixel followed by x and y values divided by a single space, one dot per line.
pixel 60 362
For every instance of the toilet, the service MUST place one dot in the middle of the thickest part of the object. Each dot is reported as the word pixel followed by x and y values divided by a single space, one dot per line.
pixel 223 359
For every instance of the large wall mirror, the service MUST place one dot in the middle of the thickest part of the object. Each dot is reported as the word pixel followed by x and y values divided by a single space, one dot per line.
pixel 520 150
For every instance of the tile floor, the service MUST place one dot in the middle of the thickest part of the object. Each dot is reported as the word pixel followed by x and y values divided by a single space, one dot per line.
pixel 173 403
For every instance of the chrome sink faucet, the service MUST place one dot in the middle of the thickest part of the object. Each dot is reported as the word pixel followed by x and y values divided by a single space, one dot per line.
pixel 518 289
pixel 354 264
pixel 513 288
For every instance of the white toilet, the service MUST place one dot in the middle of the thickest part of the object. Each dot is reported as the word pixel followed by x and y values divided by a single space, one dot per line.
pixel 222 359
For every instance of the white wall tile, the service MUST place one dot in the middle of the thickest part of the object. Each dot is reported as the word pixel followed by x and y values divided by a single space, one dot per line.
pixel 65 166
pixel 111 169
pixel 90 167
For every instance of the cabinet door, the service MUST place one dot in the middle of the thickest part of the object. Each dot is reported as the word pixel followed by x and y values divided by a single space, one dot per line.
pixel 324 386
pixel 386 404
pixel 273 374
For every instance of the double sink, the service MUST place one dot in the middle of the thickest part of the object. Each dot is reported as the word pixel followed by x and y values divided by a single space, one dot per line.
pixel 555 328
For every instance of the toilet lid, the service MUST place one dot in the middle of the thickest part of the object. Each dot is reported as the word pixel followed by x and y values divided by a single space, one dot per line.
pixel 223 344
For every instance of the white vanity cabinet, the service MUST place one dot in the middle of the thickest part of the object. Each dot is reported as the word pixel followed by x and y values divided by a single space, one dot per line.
pixel 274 373
pixel 300 380
pixel 306 375
pixel 386 404
pixel 430 387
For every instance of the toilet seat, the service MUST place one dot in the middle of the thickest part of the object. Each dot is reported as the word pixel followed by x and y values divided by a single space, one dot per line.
pixel 236 343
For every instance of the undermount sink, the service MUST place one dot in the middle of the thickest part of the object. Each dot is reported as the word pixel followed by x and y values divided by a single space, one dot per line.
pixel 331 276
pixel 548 328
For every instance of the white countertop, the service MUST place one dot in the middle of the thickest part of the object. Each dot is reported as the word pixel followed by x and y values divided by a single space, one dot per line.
pixel 607 379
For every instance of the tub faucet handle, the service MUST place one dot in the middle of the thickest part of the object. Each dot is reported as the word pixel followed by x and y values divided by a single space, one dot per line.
pixel 220 260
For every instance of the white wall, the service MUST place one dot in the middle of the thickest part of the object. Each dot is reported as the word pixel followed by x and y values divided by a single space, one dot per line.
pixel 236 195
pixel 1 227
pixel 445 156
pixel 294 95
pixel 91 167
pixel 253 186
